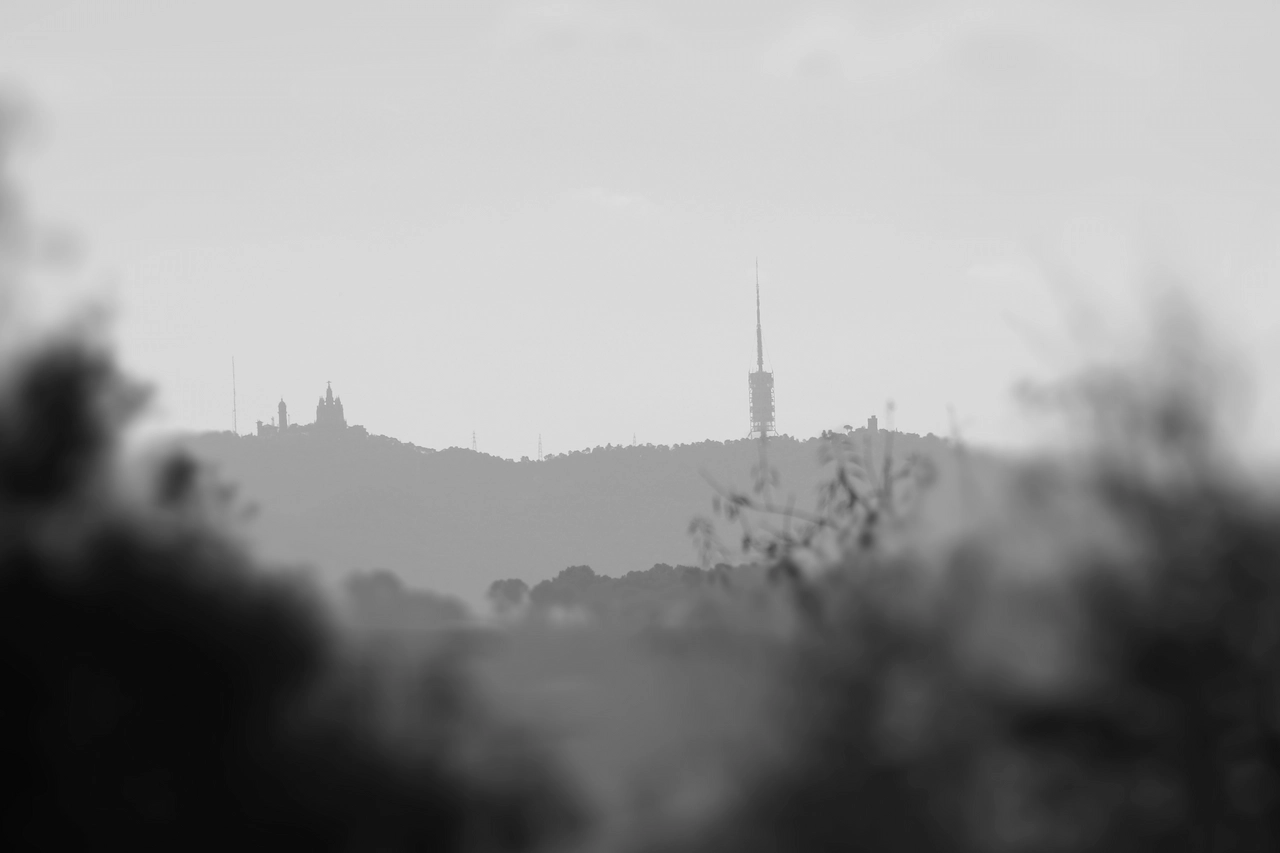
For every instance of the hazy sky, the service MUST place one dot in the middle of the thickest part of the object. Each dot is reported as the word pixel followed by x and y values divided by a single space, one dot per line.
pixel 524 218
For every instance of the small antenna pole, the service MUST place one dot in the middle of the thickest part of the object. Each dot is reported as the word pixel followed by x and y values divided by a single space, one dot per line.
pixel 759 334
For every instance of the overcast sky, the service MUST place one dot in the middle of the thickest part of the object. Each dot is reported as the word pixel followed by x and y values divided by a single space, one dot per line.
pixel 521 218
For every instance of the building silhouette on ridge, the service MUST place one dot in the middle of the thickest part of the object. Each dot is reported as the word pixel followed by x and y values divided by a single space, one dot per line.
pixel 329 415
pixel 330 420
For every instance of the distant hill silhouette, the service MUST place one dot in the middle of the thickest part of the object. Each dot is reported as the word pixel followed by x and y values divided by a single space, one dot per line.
pixel 454 521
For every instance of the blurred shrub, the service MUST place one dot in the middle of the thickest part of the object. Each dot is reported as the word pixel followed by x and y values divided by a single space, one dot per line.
pixel 381 601
pixel 161 692
pixel 1069 654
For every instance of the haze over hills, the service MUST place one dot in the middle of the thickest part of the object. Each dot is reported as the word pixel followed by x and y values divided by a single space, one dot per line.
pixel 455 520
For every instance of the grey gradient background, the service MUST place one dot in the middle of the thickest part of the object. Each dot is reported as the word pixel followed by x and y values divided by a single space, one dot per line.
pixel 524 218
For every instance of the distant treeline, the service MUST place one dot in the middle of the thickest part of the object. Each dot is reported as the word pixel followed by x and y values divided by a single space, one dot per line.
pixel 380 599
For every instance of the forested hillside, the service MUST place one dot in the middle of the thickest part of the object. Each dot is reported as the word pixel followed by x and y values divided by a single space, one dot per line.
pixel 454 520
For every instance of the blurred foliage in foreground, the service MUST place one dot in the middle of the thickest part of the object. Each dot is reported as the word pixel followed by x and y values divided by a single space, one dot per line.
pixel 1074 653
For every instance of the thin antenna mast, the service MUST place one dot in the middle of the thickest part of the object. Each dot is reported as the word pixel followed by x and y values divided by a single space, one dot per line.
pixel 539 447
pixel 759 333
pixel 473 440
pixel 235 416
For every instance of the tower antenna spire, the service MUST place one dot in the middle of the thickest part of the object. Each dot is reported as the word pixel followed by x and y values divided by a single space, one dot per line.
pixel 759 333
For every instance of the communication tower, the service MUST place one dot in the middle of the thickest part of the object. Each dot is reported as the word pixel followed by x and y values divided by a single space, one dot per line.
pixel 761 381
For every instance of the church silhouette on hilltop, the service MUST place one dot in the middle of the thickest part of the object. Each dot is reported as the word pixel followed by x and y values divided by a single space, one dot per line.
pixel 329 414
pixel 330 420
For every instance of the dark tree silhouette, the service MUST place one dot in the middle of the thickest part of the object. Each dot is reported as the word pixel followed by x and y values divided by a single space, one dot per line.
pixel 162 693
